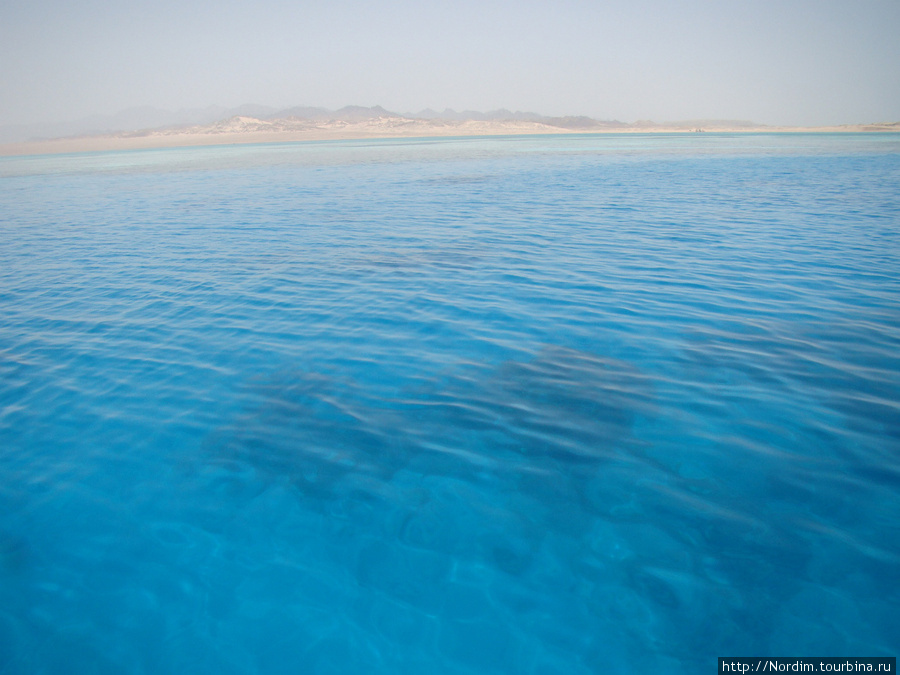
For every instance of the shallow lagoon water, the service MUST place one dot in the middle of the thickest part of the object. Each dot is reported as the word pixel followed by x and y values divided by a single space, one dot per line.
pixel 567 404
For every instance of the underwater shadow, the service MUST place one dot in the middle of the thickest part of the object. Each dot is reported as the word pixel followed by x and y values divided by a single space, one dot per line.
pixel 562 413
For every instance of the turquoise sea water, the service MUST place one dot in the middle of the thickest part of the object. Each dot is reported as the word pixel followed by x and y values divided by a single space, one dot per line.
pixel 614 404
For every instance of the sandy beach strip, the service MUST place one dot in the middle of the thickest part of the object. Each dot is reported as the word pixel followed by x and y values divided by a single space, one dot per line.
pixel 240 131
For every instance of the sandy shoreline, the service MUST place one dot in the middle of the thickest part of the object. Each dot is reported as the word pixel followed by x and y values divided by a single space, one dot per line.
pixel 244 130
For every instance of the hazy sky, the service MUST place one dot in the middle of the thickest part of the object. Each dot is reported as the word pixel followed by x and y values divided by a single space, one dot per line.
pixel 785 62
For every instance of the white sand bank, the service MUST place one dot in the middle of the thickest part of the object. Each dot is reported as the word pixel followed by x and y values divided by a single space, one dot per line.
pixel 242 130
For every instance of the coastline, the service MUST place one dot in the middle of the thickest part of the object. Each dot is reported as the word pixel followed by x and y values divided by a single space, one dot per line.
pixel 245 130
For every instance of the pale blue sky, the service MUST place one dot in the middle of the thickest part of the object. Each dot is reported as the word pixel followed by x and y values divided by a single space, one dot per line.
pixel 790 62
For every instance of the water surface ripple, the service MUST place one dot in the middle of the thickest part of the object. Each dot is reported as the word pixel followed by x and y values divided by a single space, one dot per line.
pixel 572 404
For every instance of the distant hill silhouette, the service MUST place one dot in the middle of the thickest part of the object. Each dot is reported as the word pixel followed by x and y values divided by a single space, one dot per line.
pixel 149 118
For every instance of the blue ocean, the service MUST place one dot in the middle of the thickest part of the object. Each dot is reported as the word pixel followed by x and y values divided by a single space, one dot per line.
pixel 551 404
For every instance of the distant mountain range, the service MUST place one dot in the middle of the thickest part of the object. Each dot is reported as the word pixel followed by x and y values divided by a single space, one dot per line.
pixel 147 118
